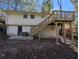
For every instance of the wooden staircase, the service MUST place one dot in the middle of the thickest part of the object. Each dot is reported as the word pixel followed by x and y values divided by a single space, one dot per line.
pixel 55 15
pixel 42 24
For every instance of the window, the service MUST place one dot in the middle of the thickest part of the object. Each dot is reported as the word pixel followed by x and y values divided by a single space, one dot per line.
pixel 25 16
pixel 32 17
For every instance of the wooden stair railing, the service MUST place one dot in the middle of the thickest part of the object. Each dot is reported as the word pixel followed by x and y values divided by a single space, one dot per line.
pixel 66 15
pixel 42 24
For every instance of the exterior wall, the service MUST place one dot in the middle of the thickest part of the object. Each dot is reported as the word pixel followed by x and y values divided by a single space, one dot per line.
pixel 12 30
pixel 17 19
pixel 48 32
pixel 26 29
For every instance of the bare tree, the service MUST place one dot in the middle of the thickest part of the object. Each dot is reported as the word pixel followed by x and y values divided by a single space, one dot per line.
pixel 60 6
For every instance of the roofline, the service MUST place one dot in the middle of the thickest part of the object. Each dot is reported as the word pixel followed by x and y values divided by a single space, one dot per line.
pixel 27 12
pixel 36 12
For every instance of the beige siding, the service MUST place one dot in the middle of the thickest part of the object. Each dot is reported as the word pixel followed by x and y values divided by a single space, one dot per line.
pixel 17 19
pixel 26 29
pixel 12 30
pixel 48 32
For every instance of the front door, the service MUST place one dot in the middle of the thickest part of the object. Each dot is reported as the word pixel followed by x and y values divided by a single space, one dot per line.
pixel 19 30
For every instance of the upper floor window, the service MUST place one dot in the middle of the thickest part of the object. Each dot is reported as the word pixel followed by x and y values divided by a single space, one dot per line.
pixel 25 16
pixel 32 16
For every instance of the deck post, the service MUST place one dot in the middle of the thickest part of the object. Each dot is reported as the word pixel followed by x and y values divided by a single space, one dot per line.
pixel 64 32
pixel 71 31
pixel 61 29
pixel 57 32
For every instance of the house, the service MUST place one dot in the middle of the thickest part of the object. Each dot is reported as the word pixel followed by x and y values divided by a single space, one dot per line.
pixel 18 21
pixel 44 25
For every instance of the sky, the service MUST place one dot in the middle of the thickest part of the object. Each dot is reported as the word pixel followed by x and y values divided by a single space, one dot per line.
pixel 66 5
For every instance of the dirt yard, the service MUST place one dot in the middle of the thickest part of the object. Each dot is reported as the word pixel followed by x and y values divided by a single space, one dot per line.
pixel 35 49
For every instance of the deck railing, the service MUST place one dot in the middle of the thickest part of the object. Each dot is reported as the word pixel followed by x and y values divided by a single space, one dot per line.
pixel 64 15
